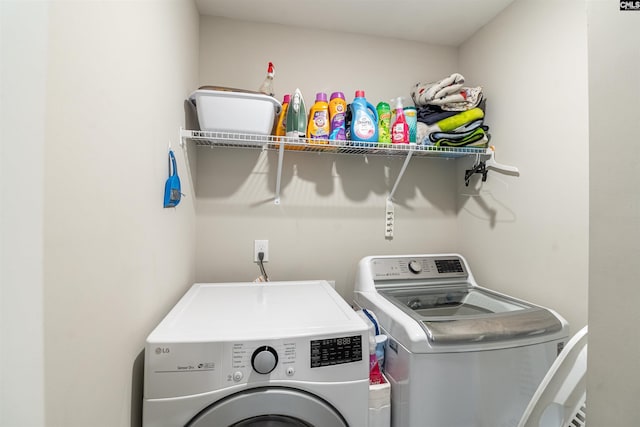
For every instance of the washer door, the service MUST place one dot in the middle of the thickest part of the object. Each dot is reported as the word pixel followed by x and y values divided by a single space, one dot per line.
pixel 269 407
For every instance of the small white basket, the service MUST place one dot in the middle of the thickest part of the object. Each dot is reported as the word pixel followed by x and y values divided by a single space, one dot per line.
pixel 238 112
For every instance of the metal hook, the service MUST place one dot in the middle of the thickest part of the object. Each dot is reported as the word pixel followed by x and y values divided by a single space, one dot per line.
pixel 479 167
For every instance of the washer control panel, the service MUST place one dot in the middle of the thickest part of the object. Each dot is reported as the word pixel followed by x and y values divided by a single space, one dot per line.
pixel 418 267
pixel 335 351
pixel 182 369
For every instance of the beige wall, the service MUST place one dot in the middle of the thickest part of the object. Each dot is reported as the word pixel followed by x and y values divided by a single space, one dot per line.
pixel 528 236
pixel 613 381
pixel 114 260
pixel 332 207
pixel 23 48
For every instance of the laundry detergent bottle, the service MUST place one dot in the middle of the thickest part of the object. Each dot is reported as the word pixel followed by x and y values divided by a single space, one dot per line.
pixel 281 127
pixel 400 127
pixel 364 120
pixel 384 123
pixel 318 126
pixel 337 116
pixel 296 116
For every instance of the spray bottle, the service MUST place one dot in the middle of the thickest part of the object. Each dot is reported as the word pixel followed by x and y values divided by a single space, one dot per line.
pixel 267 85
pixel 400 128
pixel 375 375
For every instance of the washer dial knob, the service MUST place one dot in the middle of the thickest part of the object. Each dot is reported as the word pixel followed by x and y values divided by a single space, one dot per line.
pixel 264 359
pixel 415 266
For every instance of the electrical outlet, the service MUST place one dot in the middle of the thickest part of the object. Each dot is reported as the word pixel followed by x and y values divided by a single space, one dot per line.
pixel 260 246
pixel 388 220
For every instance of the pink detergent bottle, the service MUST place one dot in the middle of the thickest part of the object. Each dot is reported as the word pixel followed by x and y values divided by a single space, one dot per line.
pixel 400 127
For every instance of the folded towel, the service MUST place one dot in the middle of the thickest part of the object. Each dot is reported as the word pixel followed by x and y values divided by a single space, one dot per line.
pixel 447 88
pixel 459 134
pixel 477 139
pixel 451 123
pixel 431 114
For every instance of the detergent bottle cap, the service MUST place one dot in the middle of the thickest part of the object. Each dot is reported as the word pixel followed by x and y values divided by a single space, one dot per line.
pixel 359 94
pixel 270 70
pixel 337 95
pixel 286 99
pixel 321 97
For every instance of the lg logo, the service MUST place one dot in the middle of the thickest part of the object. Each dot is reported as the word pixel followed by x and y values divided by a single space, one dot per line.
pixel 162 350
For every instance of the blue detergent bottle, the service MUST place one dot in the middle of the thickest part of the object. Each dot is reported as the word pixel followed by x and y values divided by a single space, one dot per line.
pixel 364 120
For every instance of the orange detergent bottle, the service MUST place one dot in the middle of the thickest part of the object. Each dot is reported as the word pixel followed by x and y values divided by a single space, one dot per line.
pixel 281 127
pixel 318 127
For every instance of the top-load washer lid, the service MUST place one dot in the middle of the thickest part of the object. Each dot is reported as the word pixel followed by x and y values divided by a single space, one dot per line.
pixel 465 313
pixel 432 303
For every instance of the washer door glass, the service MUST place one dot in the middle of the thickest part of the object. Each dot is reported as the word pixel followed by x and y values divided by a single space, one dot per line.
pixel 269 407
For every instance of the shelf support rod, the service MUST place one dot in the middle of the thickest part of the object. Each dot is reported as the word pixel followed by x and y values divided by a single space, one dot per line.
pixel 402 170
pixel 279 175
pixel 183 136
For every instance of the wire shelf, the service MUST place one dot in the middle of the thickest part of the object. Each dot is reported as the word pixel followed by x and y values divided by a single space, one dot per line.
pixel 269 142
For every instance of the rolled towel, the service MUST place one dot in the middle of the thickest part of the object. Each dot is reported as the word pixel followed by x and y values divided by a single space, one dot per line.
pixel 447 88
pixel 472 96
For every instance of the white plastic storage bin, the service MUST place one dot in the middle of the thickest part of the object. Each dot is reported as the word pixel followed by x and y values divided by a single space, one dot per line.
pixel 380 404
pixel 235 112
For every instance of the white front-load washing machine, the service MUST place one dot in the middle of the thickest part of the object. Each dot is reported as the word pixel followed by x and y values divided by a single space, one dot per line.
pixel 258 354
pixel 457 354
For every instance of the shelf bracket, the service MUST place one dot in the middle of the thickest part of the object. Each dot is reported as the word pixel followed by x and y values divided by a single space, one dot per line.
pixel 182 137
pixel 483 167
pixel 279 173
pixel 480 167
pixel 402 170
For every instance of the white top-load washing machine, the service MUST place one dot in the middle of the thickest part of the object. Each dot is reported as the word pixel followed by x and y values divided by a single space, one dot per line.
pixel 258 354
pixel 457 355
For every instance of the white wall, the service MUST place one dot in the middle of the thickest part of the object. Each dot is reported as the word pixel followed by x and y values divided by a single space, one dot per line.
pixel 23 53
pixel 613 381
pixel 115 261
pixel 332 207
pixel 528 236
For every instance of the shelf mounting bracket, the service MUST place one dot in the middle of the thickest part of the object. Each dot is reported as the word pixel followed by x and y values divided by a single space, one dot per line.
pixel 279 173
pixel 402 170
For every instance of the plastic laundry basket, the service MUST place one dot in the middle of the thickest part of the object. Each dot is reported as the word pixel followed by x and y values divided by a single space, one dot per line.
pixel 560 400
